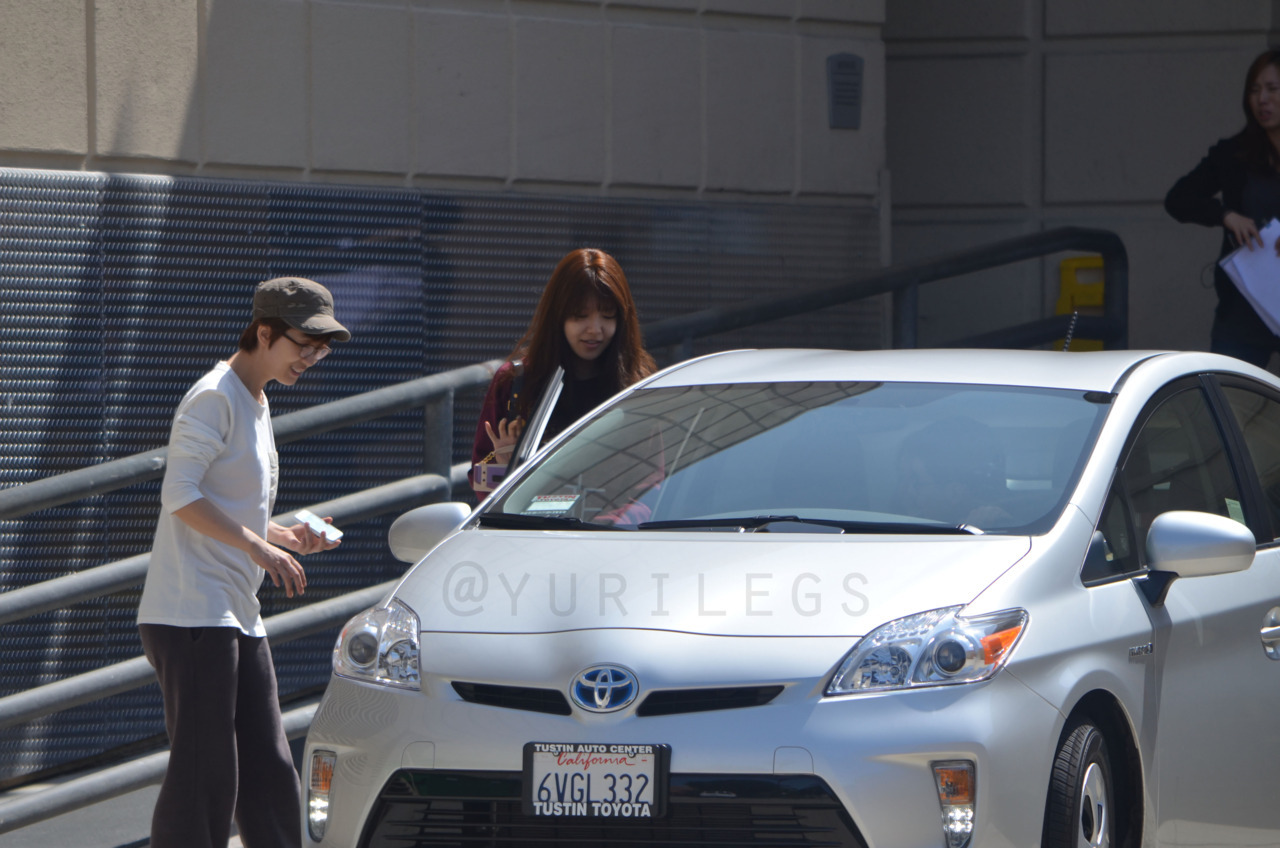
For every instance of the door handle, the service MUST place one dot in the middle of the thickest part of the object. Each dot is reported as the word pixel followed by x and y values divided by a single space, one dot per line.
pixel 1270 633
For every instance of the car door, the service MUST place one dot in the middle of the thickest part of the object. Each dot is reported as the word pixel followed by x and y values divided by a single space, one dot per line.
pixel 531 437
pixel 1218 691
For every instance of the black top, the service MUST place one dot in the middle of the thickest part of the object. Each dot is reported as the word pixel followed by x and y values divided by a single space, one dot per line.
pixel 576 399
pixel 1222 182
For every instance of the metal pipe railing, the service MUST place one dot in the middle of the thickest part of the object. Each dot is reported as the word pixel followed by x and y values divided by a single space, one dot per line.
pixel 295 624
pixel 435 393
pixel 112 577
pixel 1114 330
pixel 904 281
pixel 63 694
pixel 27 498
pixel 133 673
pixel 114 781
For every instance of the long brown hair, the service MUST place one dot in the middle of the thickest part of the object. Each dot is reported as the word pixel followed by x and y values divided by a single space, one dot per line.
pixel 1256 150
pixel 583 277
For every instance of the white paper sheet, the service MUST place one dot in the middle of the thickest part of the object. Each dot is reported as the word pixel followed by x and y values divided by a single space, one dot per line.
pixel 1256 274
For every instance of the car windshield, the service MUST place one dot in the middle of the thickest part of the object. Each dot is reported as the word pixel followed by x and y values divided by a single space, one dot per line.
pixel 833 457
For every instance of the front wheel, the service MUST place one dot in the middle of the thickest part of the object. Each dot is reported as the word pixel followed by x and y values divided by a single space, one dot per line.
pixel 1081 807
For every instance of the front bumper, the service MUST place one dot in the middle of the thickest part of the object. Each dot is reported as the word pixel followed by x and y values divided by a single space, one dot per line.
pixel 849 771
pixel 433 808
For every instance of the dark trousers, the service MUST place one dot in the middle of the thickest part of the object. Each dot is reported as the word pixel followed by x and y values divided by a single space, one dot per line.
pixel 228 753
pixel 1238 330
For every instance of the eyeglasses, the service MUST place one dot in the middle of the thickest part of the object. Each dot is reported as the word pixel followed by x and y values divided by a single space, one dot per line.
pixel 309 351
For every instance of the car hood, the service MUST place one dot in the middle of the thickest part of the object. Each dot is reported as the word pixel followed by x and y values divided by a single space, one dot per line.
pixel 720 584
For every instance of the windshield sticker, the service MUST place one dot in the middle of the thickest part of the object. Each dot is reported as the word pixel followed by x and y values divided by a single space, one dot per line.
pixel 551 504
pixel 1234 510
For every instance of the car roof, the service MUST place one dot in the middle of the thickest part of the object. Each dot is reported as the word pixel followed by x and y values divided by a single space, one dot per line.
pixel 1084 371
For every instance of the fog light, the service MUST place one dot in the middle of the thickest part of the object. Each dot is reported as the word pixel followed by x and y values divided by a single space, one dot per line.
pixel 321 778
pixel 955 780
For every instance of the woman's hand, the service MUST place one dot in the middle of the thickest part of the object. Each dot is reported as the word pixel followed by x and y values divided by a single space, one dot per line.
pixel 504 440
pixel 284 570
pixel 1242 229
pixel 202 516
pixel 300 538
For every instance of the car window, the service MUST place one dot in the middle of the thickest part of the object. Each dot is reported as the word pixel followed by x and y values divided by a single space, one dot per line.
pixel 1177 462
pixel 1259 421
pixel 996 458
pixel 1119 552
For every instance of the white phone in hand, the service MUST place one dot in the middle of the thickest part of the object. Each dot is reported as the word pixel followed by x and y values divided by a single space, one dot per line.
pixel 318 525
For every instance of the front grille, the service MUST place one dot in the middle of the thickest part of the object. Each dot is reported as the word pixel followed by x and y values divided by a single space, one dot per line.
pixel 665 702
pixel 514 697
pixel 674 701
pixel 482 810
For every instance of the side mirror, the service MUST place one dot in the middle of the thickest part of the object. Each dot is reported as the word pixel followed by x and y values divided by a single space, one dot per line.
pixel 419 530
pixel 1193 544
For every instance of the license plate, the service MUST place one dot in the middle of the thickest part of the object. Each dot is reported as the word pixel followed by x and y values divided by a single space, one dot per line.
pixel 596 780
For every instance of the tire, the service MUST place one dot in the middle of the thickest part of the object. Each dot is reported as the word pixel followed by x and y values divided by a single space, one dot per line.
pixel 1081 810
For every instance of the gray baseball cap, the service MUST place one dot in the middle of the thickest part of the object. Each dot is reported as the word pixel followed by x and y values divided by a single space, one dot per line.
pixel 301 303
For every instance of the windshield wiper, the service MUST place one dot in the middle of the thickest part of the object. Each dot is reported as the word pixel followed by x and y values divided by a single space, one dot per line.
pixel 516 521
pixel 755 522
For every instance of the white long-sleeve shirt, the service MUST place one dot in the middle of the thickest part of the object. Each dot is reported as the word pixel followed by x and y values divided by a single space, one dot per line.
pixel 221 448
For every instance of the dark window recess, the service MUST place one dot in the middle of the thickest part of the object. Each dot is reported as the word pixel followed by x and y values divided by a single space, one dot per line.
pixel 514 697
pixel 420 809
pixel 844 91
pixel 675 701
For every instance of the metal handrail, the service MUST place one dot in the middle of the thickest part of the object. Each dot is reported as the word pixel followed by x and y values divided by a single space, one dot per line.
pixel 296 623
pixel 117 780
pixel 437 390
pixel 72 486
pixel 903 281
pixel 1112 327
pixel 134 673
pixel 112 577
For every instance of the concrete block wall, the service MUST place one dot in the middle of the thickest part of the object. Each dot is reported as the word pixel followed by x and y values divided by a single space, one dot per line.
pixel 722 98
pixel 1012 116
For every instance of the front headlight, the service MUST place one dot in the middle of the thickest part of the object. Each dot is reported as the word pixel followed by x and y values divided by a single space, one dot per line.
pixel 380 645
pixel 934 648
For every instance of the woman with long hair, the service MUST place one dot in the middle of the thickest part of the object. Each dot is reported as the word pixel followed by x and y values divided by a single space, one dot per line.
pixel 1237 187
pixel 585 323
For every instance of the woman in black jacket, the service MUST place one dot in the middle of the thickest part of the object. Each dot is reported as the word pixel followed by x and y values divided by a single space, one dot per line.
pixel 1237 187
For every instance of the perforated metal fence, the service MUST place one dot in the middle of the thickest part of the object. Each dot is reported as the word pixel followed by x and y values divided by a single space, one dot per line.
pixel 119 291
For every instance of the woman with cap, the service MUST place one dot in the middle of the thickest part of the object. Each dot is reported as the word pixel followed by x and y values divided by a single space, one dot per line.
pixel 199 614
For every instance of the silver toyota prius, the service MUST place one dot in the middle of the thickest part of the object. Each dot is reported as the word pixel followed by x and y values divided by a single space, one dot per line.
pixel 800 597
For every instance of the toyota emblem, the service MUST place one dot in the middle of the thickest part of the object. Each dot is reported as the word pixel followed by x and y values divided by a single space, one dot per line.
pixel 604 688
